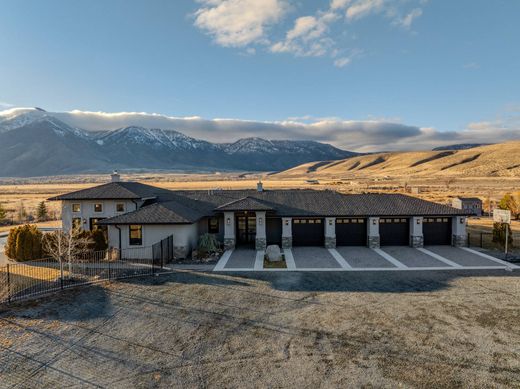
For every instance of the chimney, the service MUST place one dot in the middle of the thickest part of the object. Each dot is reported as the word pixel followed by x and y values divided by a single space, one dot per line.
pixel 260 186
pixel 115 176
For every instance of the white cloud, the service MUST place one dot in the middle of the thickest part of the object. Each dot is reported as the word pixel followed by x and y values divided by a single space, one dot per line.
pixel 363 8
pixel 5 105
pixel 407 21
pixel 357 135
pixel 237 23
pixel 342 62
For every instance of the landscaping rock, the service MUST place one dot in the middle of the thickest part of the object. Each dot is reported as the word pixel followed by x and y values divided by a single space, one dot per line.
pixel 273 253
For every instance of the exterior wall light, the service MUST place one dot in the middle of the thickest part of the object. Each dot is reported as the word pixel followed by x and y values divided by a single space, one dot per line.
pixel 462 220
pixel 84 221
pixel 418 221
pixel 260 221
pixel 374 221
pixel 286 222
pixel 228 221
pixel 330 222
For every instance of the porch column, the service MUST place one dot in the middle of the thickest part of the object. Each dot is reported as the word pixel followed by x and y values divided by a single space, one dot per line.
pixel 416 232
pixel 458 230
pixel 330 232
pixel 229 231
pixel 373 232
pixel 286 232
pixel 261 239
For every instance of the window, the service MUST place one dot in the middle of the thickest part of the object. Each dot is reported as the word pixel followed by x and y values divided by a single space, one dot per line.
pixel 76 207
pixel 213 226
pixel 120 207
pixel 98 207
pixel 136 235
pixel 76 223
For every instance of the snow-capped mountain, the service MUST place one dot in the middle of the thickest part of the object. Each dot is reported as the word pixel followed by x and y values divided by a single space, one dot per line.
pixel 35 143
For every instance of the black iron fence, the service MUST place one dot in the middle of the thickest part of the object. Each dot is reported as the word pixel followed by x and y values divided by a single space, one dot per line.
pixel 485 240
pixel 22 280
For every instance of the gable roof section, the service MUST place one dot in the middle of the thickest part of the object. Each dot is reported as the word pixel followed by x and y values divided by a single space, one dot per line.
pixel 245 204
pixel 114 191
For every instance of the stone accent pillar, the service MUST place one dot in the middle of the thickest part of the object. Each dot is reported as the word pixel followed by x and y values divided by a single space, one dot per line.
pixel 261 238
pixel 229 231
pixel 458 229
pixel 373 232
pixel 416 232
pixel 286 232
pixel 330 232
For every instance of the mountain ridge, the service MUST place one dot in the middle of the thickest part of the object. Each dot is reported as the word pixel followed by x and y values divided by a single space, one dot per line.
pixel 73 150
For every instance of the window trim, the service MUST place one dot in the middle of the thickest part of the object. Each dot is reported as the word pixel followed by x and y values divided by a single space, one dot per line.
pixel 100 204
pixel 79 206
pixel 134 241
pixel 117 207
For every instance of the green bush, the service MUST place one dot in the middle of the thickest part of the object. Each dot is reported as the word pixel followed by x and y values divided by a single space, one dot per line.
pixel 24 243
pixel 208 244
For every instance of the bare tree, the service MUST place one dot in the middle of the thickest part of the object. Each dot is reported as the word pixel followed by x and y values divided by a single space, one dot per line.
pixel 67 247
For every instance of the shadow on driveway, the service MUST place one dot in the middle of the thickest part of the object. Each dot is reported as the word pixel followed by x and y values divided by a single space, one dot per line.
pixel 383 282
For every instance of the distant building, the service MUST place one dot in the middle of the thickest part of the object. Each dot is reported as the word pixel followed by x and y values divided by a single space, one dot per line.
pixel 469 204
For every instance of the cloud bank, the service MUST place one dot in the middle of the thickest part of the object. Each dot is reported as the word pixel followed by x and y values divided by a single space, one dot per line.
pixel 355 135
pixel 247 24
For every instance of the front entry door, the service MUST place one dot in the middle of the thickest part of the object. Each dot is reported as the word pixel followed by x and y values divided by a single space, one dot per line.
pixel 246 230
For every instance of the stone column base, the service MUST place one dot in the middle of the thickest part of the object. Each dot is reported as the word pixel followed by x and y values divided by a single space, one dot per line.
pixel 417 241
pixel 286 242
pixel 180 252
pixel 229 243
pixel 330 242
pixel 459 240
pixel 260 243
pixel 373 242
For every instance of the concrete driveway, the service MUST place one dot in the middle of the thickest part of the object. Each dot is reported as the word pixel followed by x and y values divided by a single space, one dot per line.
pixel 365 259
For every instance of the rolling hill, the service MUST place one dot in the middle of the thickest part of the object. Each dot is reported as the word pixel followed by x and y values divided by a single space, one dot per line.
pixel 498 160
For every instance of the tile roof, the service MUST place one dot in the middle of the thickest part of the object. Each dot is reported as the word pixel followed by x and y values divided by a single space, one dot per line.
pixel 246 204
pixel 113 191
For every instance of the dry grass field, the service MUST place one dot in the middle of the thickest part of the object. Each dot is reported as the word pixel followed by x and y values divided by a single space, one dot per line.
pixel 30 192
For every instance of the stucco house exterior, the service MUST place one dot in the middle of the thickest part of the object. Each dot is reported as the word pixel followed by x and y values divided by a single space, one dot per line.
pixel 471 205
pixel 136 215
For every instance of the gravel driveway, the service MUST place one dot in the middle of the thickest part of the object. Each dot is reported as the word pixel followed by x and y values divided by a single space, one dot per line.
pixel 190 329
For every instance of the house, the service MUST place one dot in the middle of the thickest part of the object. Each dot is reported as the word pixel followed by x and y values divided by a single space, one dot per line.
pixel 136 215
pixel 472 205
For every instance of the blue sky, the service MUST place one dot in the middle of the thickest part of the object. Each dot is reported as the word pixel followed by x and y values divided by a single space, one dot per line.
pixel 439 66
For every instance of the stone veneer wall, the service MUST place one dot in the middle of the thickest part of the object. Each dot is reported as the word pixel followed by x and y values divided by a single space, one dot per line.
pixel 286 242
pixel 260 243
pixel 373 242
pixel 330 242
pixel 417 241
pixel 229 243
pixel 459 240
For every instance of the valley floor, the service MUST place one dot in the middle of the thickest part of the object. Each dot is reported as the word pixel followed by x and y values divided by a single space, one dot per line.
pixel 196 329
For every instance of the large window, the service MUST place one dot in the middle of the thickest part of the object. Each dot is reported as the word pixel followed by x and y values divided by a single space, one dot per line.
pixel 213 225
pixel 136 235
pixel 98 207
pixel 76 207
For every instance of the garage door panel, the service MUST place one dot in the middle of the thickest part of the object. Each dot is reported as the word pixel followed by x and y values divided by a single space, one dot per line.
pixel 351 232
pixel 437 231
pixel 394 231
pixel 308 232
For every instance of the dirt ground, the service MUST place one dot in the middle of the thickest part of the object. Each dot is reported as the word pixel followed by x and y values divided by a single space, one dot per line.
pixel 306 330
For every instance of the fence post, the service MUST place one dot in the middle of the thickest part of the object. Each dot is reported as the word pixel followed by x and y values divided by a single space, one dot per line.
pixel 61 274
pixel 109 275
pixel 467 242
pixel 8 285
pixel 162 254
pixel 481 240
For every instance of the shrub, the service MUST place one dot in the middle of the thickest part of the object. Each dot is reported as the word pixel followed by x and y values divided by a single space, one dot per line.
pixel 24 243
pixel 208 244
pixel 499 234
